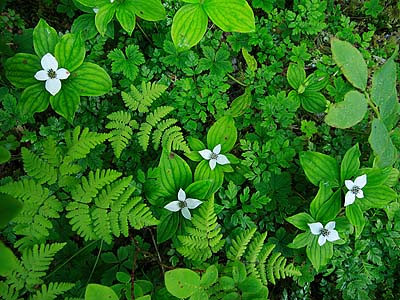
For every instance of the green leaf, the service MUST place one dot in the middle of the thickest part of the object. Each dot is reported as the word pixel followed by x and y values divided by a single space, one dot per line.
pixel 21 69
pixel 182 283
pixel 167 227
pixel 319 167
pixel 66 102
pixel 301 221
pixel 85 24
pixel 34 99
pixel 349 112
pixel 70 52
pixel 355 215
pixel 175 173
pixel 251 62
pixel 301 240
pixel 90 80
pixel 203 171
pixel 250 284
pixel 351 62
pixel 209 277
pixel 199 189
pixel 104 16
pixel 377 196
pixel 188 26
pixel 45 38
pixel 127 65
pixel 324 193
pixel 222 132
pixel 99 292
pixel 9 208
pixel 350 163
pixel 296 77
pixel 126 16
pixel 240 104
pixel 149 10
pixel 5 155
pixel 8 260
pixel 319 255
pixel 230 15
pixel 329 210
pixel 382 145
pixel 313 102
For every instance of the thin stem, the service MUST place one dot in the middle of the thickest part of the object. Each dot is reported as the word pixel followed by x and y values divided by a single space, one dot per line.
pixel 235 80
pixel 144 33
pixel 158 253
pixel 95 263
pixel 372 105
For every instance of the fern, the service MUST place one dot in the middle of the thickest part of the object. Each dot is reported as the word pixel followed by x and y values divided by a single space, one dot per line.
pixel 239 244
pixel 51 153
pixel 204 238
pixel 37 168
pixel 121 125
pixel 173 140
pixel 39 207
pixel 51 291
pixel 103 207
pixel 141 101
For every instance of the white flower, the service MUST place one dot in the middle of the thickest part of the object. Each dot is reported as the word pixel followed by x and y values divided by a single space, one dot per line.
pixel 328 233
pixel 214 157
pixel 183 204
pixel 96 10
pixel 355 189
pixel 51 74
pixel 111 1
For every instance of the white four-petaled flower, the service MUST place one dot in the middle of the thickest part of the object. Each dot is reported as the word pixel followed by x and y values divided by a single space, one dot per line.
pixel 51 74
pixel 355 189
pixel 325 233
pixel 214 156
pixel 183 204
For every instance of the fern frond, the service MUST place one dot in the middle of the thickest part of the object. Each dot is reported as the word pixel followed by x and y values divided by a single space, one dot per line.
pixel 239 244
pixel 51 291
pixel 253 252
pixel 161 127
pixel 81 220
pixel 39 207
pixel 121 125
pixel 143 100
pixel 139 215
pixel 37 168
pixel 173 140
pixel 261 266
pixel 131 99
pixel 51 152
pixel 144 135
pixel 204 237
pixel 8 291
pixel 159 113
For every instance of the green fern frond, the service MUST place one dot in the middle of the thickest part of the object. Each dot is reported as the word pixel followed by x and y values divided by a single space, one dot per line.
pixel 37 168
pixel 239 244
pixel 253 252
pixel 139 215
pixel 204 237
pixel 81 220
pixel 144 135
pixel 159 113
pixel 143 100
pixel 39 207
pixel 173 140
pixel 51 153
pixel 161 127
pixel 261 267
pixel 51 291
pixel 8 291
pixel 130 98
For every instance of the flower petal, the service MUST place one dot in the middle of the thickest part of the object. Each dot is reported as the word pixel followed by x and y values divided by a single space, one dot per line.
pixel 212 163
pixel 217 149
pixel 42 75
pixel 193 203
pixel 316 228
pixel 361 181
pixel 206 154
pixel 349 184
pixel 349 198
pixel 222 159
pixel 173 206
pixel 186 213
pixel 181 195
pixel 330 226
pixel 321 240
pixel 333 236
pixel 62 73
pixel 360 194
pixel 48 62
pixel 53 85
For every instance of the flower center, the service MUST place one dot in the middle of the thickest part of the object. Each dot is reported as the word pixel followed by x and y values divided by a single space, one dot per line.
pixel 182 204
pixel 355 189
pixel 214 156
pixel 325 232
pixel 51 73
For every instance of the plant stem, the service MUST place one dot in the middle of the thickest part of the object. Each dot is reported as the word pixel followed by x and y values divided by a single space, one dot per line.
pixel 372 105
pixel 235 80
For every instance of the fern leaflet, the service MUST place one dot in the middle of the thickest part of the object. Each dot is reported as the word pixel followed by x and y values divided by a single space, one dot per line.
pixel 141 101
pixel 37 168
pixel 239 244
pixel 51 291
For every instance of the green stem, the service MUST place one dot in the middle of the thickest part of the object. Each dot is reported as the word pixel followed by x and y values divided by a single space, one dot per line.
pixel 144 33
pixel 235 80
pixel 372 105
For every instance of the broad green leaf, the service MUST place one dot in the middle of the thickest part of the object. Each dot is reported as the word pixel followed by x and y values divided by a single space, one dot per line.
pixel 66 102
pixel 188 26
pixel 296 77
pixel 195 144
pixel 301 221
pixel 9 262
pixel 319 168
pixel 167 227
pixel 351 62
pixel 313 102
pixel 356 217
pixel 324 193
pixel 382 145
pixel 251 62
pixel 92 3
pixel 349 112
pixel 9 208
pixel 45 38
pixel 222 132
pixel 301 240
pixel 350 163
pixel 250 284
pixel 377 196
pixel 126 16
pixel 104 16
pixel 329 209
pixel 175 173
pixel 377 176
pixel 230 15
pixel 21 69
pixel 240 104
pixel 182 283
pixel 149 10
pixel 203 171
pixel 85 24
pixel 34 99
pixel 5 155
pixel 199 189
pixel 90 80
pixel 209 277
pixel 70 52
pixel 319 255
pixel 99 292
